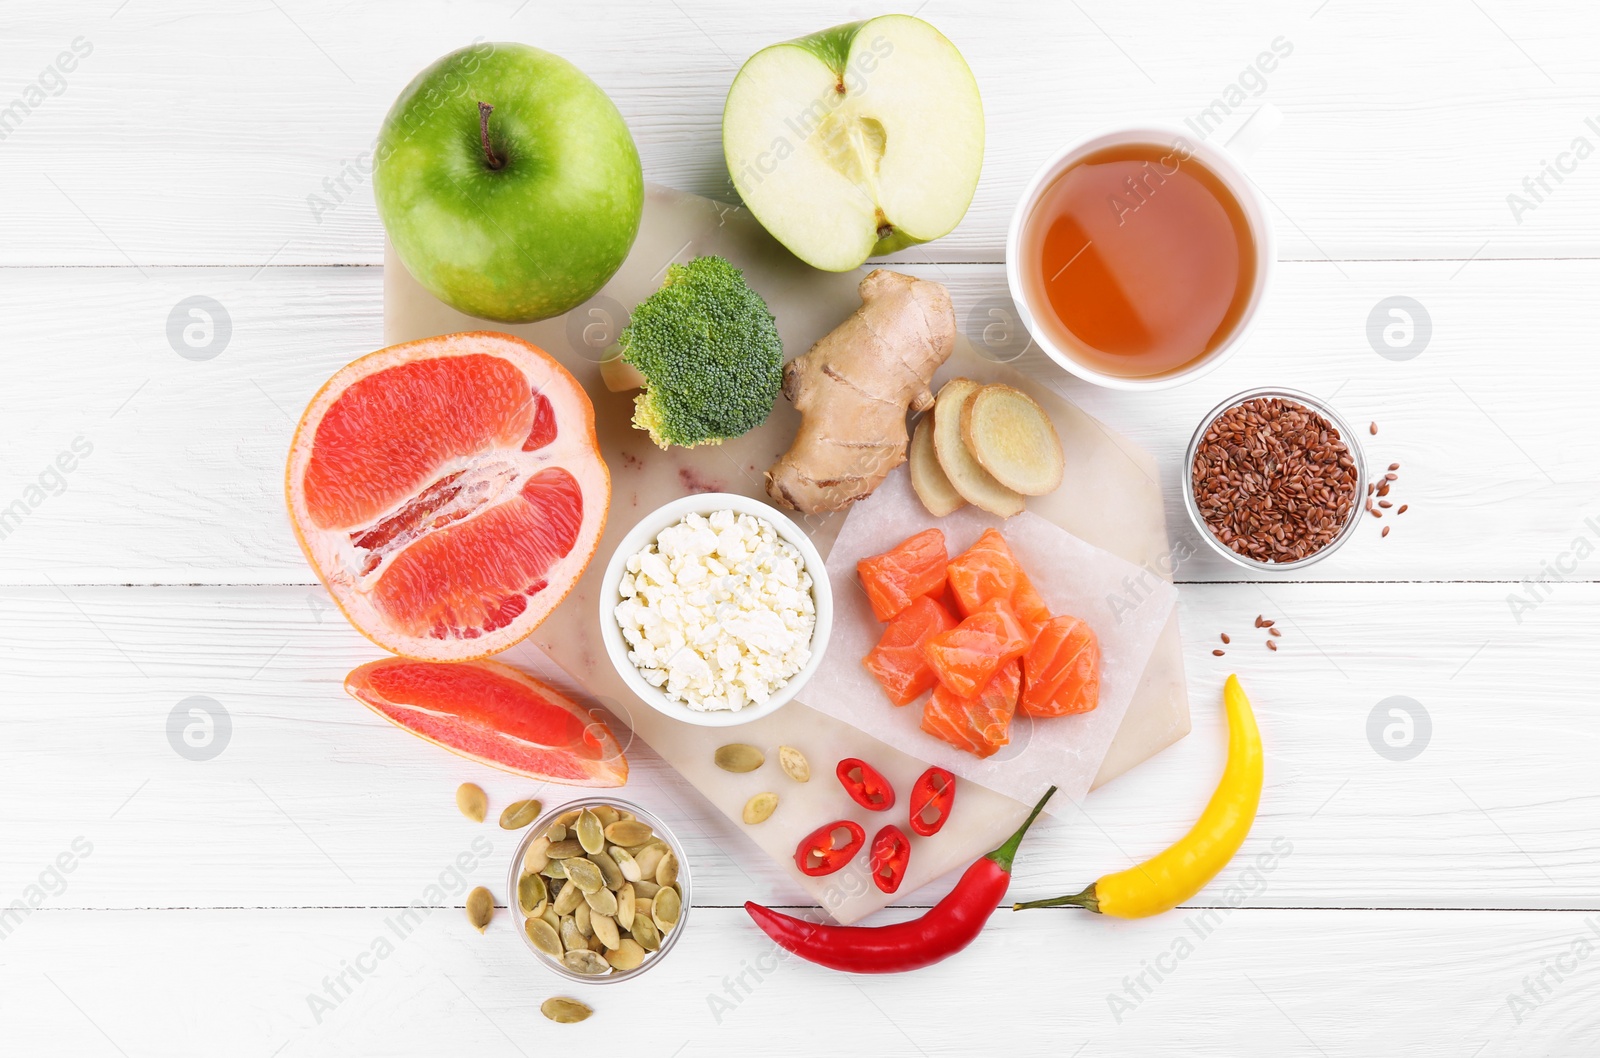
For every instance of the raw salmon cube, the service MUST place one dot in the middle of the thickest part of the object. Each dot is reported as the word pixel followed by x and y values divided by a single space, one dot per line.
pixel 897 662
pixel 894 579
pixel 1061 672
pixel 980 724
pixel 988 570
pixel 968 655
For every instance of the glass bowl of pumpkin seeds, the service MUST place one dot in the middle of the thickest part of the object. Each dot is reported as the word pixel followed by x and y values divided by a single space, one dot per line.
pixel 599 890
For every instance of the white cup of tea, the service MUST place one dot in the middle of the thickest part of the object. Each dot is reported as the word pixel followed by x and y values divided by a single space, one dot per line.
pixel 1139 258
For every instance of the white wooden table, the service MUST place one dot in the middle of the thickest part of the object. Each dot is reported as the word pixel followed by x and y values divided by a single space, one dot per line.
pixel 1444 904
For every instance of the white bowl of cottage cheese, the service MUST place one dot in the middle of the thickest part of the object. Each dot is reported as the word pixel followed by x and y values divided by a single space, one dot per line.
pixel 715 609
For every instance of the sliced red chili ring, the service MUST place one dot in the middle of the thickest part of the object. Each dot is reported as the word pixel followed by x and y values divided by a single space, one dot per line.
pixel 931 800
pixel 817 855
pixel 865 785
pixel 891 852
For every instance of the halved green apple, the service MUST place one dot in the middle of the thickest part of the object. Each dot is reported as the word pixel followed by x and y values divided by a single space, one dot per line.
pixel 856 141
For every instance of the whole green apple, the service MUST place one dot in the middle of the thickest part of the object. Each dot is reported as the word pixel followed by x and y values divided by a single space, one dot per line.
pixel 508 182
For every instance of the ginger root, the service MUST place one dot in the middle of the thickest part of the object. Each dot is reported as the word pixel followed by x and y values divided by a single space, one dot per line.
pixel 853 389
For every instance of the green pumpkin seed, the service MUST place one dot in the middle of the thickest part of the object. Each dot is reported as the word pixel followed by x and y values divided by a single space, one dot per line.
pixel 649 858
pixel 602 902
pixel 536 858
pixel 625 905
pixel 531 893
pixel 572 937
pixel 555 869
pixel 627 956
pixel 584 961
pixel 480 908
pixel 566 819
pixel 626 863
pixel 794 764
pixel 644 931
pixel 582 916
pixel 472 801
pixel 623 813
pixel 666 910
pixel 606 814
pixel 565 849
pixel 564 1011
pixel 519 814
pixel 551 917
pixel 738 757
pixel 667 872
pixel 557 832
pixel 544 937
pixel 591 835
pixel 568 899
pixel 596 946
pixel 642 906
pixel 584 874
pixel 609 869
pixel 605 927
pixel 628 832
pixel 759 808
pixel 646 888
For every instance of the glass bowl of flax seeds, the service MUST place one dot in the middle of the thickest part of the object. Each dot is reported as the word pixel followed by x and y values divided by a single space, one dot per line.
pixel 1275 480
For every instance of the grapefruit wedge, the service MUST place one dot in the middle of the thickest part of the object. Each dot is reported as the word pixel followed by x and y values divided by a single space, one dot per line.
pixel 449 492
pixel 493 714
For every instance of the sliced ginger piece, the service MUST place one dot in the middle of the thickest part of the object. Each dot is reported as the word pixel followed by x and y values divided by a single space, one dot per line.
pixel 966 475
pixel 927 477
pixel 1012 438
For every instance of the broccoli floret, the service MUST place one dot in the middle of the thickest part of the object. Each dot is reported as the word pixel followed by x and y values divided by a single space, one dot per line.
pixel 709 353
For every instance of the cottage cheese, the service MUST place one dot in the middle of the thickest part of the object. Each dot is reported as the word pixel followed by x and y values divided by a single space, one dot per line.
pixel 718 612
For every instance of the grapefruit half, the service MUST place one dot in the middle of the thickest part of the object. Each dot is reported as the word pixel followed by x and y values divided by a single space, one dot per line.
pixel 449 492
pixel 493 714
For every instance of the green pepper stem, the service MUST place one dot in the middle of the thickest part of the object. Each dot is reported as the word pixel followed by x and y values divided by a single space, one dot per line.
pixel 1006 853
pixel 1089 900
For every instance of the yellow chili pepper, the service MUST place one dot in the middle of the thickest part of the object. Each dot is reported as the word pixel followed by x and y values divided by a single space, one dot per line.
pixel 1170 877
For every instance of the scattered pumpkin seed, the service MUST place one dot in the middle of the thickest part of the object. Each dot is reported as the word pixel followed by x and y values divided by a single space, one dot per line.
pixel 564 1011
pixel 666 909
pixel 572 937
pixel 519 814
pixel 584 874
pixel 472 801
pixel 646 888
pixel 536 858
pixel 667 872
pixel 555 869
pixel 609 869
pixel 602 902
pixel 628 955
pixel 557 832
pixel 626 863
pixel 739 757
pixel 567 900
pixel 606 814
pixel 584 961
pixel 544 937
pixel 566 819
pixel 644 931
pixel 794 764
pixel 605 927
pixel 531 893
pixel 625 905
pixel 759 808
pixel 591 835
pixel 564 849
pixel 628 832
pixel 480 908
pixel 584 919
pixel 649 858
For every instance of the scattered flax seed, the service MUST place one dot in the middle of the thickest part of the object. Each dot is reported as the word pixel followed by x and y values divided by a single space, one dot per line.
pixel 1383 490
pixel 1258 621
pixel 1274 631
pixel 1373 429
pixel 1386 503
pixel 1391 476
pixel 1268 623
pixel 1271 645
pixel 1225 638
pixel 1386 530
pixel 1372 487
pixel 1218 653
pixel 1374 512
pixel 1394 466
pixel 1402 509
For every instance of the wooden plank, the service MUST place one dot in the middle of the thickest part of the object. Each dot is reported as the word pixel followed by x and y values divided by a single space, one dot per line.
pixel 1294 982
pixel 313 801
pixel 1490 421
pixel 197 132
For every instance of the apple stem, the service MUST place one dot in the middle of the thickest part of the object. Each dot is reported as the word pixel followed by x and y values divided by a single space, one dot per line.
pixel 484 110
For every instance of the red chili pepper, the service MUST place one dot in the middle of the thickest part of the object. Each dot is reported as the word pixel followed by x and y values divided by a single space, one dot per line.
pixel 949 926
pixel 935 793
pixel 828 857
pixel 891 851
pixel 865 784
